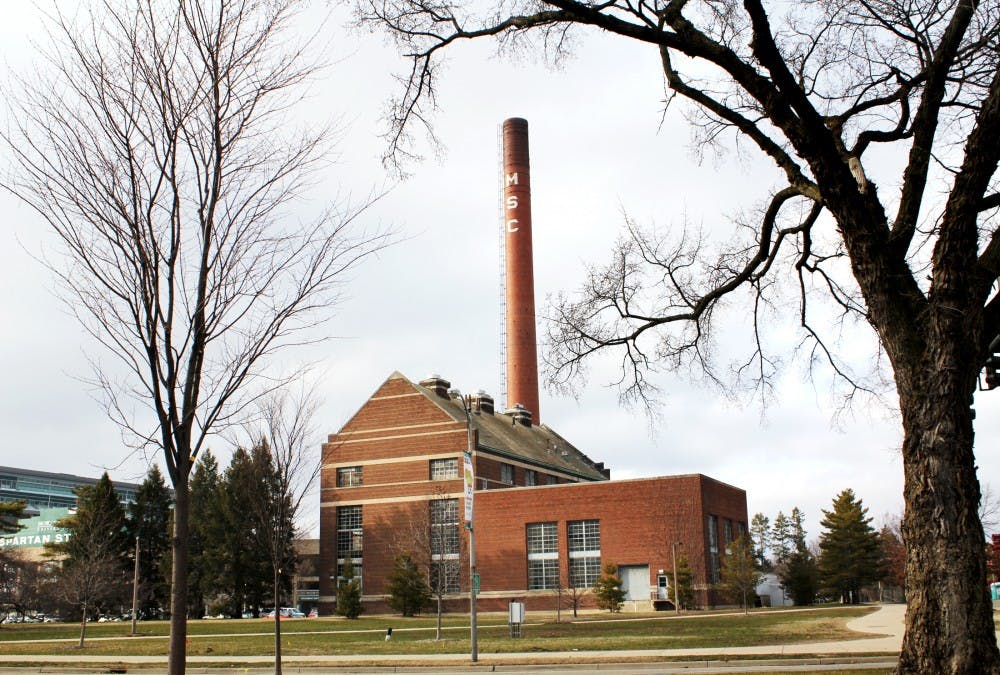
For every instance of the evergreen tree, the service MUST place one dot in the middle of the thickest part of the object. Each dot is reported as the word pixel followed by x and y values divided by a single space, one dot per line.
pixel 94 556
pixel 760 536
pixel 781 538
pixel 685 584
pixel 206 569
pixel 739 573
pixel 800 577
pixel 850 552
pixel 10 514
pixel 407 587
pixel 797 531
pixel 349 594
pixel 246 569
pixel 99 515
pixel 608 591
pixel 149 522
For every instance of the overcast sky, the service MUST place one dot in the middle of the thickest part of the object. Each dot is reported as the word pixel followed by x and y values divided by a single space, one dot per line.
pixel 600 148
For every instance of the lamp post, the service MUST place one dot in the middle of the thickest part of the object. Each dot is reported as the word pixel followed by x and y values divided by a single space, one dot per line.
pixel 470 526
pixel 673 553
pixel 135 584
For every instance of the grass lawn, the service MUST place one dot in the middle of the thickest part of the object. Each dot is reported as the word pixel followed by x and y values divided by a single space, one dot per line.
pixel 416 635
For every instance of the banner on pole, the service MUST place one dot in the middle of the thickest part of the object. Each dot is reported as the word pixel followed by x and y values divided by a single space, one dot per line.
pixel 470 483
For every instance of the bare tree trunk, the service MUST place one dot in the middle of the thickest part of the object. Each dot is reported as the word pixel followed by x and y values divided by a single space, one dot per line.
pixel 83 626
pixel 179 579
pixel 438 615
pixel 277 621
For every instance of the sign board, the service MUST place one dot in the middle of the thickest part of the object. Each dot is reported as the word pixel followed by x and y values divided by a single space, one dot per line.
pixel 475 583
pixel 516 612
pixel 38 531
pixel 470 482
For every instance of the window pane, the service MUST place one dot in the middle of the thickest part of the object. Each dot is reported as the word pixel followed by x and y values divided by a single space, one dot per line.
pixel 349 476
pixel 543 575
pixel 443 469
pixel 507 474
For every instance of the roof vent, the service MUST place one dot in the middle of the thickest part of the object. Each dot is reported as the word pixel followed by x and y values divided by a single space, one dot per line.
pixel 437 384
pixel 482 403
pixel 520 414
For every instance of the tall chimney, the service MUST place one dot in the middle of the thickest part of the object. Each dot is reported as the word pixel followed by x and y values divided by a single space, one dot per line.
pixel 522 355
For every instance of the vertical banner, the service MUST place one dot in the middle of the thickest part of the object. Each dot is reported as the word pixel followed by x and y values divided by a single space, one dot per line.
pixel 470 483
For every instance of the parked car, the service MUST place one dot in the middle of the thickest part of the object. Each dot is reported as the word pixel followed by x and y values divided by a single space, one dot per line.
pixel 313 613
pixel 288 613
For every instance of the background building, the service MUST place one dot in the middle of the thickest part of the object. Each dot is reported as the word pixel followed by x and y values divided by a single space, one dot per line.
pixel 546 515
pixel 49 497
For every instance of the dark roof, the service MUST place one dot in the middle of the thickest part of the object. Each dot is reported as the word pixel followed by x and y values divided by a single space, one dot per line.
pixel 68 477
pixel 499 435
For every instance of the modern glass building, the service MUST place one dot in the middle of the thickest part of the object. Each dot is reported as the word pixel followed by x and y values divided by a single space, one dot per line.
pixel 46 490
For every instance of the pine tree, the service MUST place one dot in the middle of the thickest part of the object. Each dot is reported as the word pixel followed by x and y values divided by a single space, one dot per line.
pixel 800 577
pixel 94 556
pixel 349 594
pixel 760 536
pixel 740 575
pixel 407 588
pixel 685 584
pixel 781 538
pixel 205 537
pixel 10 514
pixel 149 522
pixel 246 578
pixel 99 515
pixel 608 591
pixel 850 552
pixel 797 531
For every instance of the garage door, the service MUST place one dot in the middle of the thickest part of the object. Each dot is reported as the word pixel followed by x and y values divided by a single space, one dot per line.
pixel 635 581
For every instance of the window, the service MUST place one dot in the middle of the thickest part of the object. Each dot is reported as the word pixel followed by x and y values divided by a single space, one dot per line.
pixel 349 476
pixel 712 525
pixel 443 469
pixel 445 546
pixel 543 556
pixel 551 480
pixel 507 474
pixel 727 531
pixel 530 477
pixel 584 552
pixel 350 536
pixel 444 574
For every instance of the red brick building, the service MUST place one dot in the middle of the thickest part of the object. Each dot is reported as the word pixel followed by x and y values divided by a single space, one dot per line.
pixel 546 515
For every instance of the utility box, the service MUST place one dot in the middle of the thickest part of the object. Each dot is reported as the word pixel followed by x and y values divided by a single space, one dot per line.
pixel 516 618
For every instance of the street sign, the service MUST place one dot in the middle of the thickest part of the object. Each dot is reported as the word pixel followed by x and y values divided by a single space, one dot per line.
pixel 475 583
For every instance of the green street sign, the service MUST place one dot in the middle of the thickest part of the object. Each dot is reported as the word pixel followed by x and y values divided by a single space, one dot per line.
pixel 475 583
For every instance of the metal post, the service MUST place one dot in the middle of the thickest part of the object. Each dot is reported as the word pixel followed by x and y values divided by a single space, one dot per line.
pixel 474 630
pixel 135 584
pixel 673 553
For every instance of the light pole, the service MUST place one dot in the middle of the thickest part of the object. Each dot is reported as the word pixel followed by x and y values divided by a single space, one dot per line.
pixel 470 525
pixel 673 553
pixel 135 584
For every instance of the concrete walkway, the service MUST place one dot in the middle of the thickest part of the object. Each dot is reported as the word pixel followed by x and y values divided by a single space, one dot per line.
pixel 886 622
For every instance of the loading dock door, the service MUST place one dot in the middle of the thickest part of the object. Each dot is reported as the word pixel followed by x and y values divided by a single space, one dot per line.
pixel 635 581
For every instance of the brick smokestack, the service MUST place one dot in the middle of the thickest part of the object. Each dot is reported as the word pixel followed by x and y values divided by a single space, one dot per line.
pixel 522 354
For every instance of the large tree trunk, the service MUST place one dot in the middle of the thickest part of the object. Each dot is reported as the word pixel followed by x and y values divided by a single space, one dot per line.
pixel 176 661
pixel 949 617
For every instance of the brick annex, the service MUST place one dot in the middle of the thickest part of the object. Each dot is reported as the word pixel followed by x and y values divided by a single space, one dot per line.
pixel 546 516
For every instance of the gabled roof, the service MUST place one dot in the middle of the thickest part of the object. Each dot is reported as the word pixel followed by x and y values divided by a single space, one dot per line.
pixel 500 435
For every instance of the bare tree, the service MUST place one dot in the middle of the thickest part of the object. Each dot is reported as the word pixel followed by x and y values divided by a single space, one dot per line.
pixel 157 146
pixel 286 441
pixel 818 88
pixel 430 534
